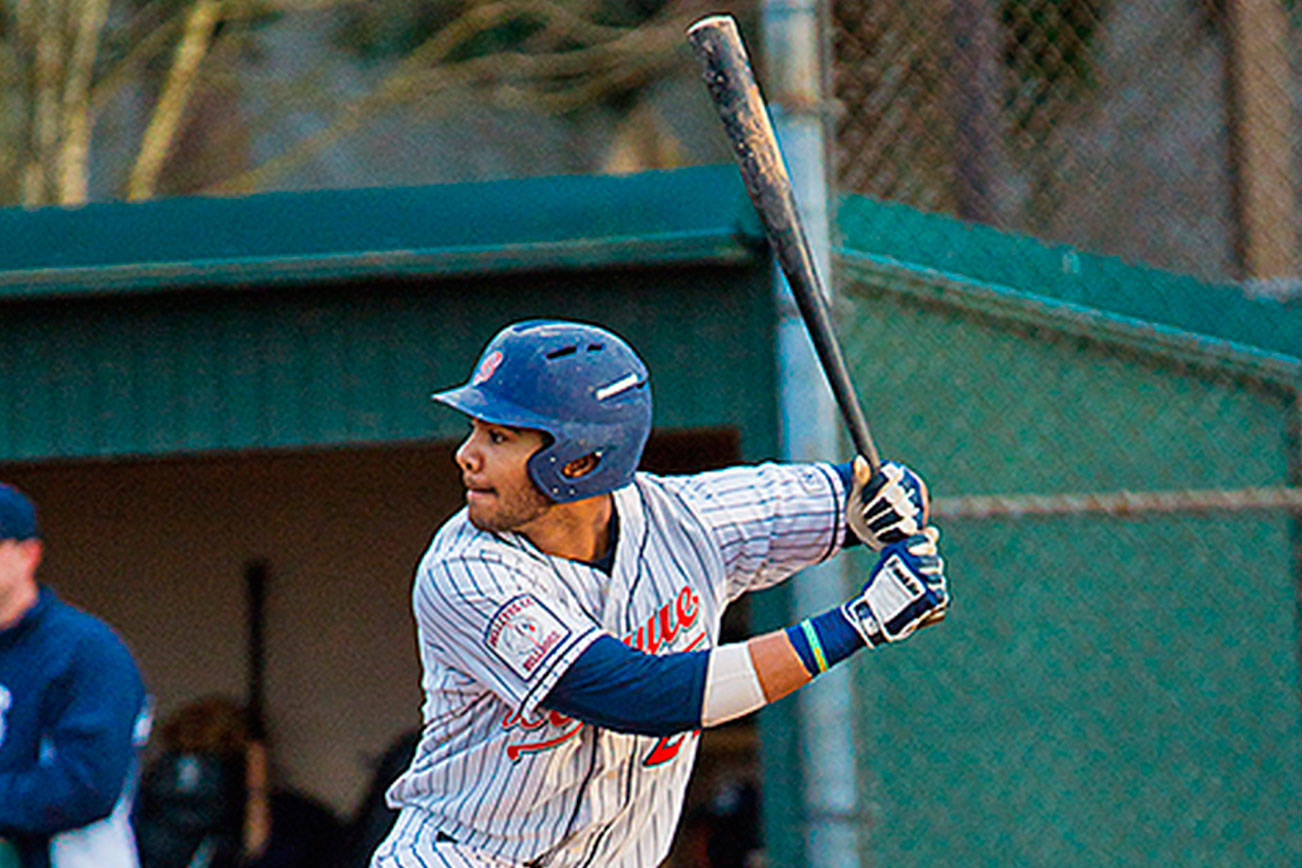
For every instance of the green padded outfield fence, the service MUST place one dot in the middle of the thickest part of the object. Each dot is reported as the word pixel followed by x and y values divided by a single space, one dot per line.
pixel 1113 452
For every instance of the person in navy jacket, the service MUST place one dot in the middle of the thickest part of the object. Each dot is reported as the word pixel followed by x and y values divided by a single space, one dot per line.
pixel 73 716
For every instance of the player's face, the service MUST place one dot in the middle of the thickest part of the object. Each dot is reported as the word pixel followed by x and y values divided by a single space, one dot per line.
pixel 18 562
pixel 499 493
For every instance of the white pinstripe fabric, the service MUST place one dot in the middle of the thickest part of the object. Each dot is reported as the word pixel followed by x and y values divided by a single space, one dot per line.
pixel 498 773
pixel 418 850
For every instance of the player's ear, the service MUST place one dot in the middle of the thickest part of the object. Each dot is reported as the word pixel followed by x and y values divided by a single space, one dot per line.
pixel 34 551
pixel 581 466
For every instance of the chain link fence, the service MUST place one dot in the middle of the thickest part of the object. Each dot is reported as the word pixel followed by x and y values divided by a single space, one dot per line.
pixel 1161 133
pixel 1117 683
pixel 1053 211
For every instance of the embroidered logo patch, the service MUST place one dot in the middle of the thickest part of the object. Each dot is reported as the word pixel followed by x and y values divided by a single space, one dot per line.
pixel 524 633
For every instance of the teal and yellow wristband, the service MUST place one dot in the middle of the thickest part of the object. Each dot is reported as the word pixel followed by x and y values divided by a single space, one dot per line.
pixel 824 640
pixel 811 636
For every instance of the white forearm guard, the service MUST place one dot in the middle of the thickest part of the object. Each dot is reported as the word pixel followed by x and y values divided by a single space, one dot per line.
pixel 732 688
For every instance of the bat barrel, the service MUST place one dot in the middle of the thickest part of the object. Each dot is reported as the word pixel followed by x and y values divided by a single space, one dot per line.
pixel 727 72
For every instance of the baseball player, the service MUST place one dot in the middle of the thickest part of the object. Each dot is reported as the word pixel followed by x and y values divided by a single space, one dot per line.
pixel 567 617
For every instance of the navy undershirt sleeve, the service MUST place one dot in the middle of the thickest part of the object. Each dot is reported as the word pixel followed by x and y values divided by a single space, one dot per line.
pixel 617 687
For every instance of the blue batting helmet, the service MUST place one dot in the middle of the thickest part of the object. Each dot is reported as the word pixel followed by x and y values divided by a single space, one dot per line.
pixel 578 383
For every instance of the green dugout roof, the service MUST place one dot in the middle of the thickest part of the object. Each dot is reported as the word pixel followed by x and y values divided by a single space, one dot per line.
pixel 698 215
pixel 691 215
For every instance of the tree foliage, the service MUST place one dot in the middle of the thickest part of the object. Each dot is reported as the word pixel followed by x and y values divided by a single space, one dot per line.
pixel 71 69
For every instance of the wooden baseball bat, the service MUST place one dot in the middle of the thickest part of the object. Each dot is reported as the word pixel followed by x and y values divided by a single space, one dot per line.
pixel 727 72
pixel 728 75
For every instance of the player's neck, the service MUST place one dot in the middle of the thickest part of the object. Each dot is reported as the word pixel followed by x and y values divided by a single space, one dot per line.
pixel 579 530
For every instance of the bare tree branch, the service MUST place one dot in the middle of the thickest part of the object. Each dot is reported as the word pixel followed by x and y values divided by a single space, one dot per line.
pixel 45 107
pixel 143 49
pixel 196 39
pixel 161 32
pixel 75 151
pixel 615 57
pixel 13 102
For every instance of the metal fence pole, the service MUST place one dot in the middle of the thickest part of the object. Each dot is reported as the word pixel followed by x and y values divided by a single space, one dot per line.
pixel 1262 124
pixel 793 60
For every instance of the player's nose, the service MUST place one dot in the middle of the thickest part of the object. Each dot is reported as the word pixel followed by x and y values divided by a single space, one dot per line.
pixel 468 455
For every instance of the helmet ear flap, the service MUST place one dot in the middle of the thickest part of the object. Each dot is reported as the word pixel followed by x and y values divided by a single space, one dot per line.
pixel 581 467
pixel 547 468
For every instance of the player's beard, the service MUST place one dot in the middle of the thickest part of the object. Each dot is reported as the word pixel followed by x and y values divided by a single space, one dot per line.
pixel 509 509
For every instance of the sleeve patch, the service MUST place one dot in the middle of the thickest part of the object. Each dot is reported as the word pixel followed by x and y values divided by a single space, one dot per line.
pixel 524 633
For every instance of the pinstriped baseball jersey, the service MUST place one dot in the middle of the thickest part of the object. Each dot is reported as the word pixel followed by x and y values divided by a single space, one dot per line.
pixel 499 622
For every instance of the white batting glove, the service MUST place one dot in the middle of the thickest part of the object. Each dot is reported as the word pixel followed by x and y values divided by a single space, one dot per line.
pixel 888 506
pixel 906 589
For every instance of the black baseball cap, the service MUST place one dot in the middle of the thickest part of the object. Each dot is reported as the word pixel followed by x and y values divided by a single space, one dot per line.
pixel 17 515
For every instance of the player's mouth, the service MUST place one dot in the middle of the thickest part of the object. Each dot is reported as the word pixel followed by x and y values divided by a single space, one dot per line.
pixel 478 492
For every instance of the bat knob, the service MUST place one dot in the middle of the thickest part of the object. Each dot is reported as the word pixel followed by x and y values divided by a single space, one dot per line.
pixel 712 22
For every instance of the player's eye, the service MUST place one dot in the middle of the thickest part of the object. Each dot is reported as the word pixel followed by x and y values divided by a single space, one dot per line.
pixel 497 436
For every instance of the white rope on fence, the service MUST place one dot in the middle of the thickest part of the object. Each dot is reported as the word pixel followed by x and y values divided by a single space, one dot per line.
pixel 1117 502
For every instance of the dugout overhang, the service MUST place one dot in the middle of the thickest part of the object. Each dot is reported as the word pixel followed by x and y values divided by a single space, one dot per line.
pixel 299 320
pixel 695 215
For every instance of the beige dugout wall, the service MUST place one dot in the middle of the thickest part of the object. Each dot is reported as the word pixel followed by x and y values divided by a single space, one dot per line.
pixel 158 548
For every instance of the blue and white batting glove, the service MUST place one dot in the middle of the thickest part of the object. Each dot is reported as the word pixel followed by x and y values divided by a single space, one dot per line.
pixel 888 506
pixel 906 588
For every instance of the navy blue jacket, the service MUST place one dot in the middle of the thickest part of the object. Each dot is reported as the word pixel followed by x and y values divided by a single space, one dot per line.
pixel 71 699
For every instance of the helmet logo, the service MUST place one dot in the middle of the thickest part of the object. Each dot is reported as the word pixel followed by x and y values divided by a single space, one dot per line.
pixel 487 367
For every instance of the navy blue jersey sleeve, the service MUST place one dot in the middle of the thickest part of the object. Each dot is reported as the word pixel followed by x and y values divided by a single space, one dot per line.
pixel 89 749
pixel 620 688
